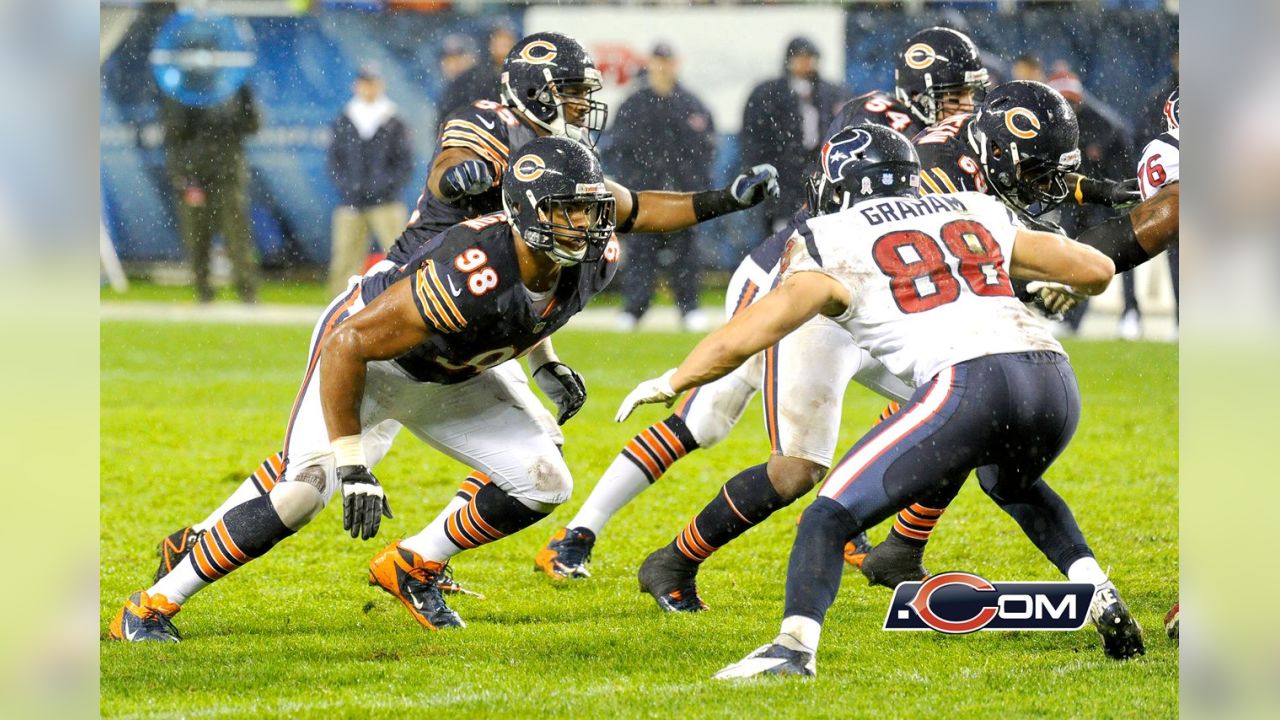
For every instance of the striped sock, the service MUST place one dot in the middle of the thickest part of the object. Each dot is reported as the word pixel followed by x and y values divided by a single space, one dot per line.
pixel 489 516
pixel 256 485
pixel 742 503
pixel 628 476
pixel 659 446
pixel 467 490
pixel 247 531
pixel 888 412
pixel 914 524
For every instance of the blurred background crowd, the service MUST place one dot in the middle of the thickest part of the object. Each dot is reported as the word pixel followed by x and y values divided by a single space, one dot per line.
pixel 299 154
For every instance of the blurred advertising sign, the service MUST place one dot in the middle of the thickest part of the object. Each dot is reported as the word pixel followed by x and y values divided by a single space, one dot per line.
pixel 201 58
pixel 724 51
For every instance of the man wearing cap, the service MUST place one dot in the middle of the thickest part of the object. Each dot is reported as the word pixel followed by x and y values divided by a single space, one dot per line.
pixel 783 123
pixel 370 159
pixel 662 108
pixel 1106 151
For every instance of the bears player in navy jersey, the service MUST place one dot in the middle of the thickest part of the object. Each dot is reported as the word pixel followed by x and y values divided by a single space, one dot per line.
pixel 937 74
pixel 547 89
pixel 416 344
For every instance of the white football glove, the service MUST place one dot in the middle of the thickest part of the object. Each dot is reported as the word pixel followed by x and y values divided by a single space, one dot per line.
pixel 657 390
pixel 1056 297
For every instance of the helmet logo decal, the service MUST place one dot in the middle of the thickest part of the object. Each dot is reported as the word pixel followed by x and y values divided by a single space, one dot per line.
pixel 920 56
pixel 837 153
pixel 529 167
pixel 539 52
pixel 1032 124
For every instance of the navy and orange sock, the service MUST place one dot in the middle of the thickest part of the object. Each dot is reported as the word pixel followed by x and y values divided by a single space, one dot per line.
pixel 915 523
pixel 247 531
pixel 742 503
pixel 490 515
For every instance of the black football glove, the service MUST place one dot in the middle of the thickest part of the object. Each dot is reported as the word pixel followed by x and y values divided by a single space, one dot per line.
pixel 469 177
pixel 1113 194
pixel 752 187
pixel 563 386
pixel 363 502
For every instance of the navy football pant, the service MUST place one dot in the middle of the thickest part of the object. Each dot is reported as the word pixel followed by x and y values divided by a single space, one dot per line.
pixel 1015 412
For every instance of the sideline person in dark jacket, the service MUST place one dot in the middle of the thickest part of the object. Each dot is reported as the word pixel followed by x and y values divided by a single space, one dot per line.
pixel 663 138
pixel 783 123
pixel 205 162
pixel 370 159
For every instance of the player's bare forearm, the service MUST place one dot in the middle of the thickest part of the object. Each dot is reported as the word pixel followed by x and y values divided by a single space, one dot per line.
pixel 662 211
pixel 772 318
pixel 387 328
pixel 1056 258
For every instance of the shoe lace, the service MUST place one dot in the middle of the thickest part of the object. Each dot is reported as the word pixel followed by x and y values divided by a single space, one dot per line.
pixel 427 581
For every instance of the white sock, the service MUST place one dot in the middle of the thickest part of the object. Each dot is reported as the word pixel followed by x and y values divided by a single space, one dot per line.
pixel 454 506
pixel 432 544
pixel 247 491
pixel 1086 570
pixel 619 485
pixel 803 630
pixel 181 583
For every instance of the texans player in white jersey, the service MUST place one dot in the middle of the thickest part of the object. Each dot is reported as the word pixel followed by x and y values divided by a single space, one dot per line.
pixel 417 344
pixel 923 283
pixel 548 84
pixel 938 73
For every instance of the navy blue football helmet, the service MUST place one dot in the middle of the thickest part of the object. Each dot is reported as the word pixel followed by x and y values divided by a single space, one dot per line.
pixel 1026 137
pixel 549 78
pixel 1171 107
pixel 936 62
pixel 550 181
pixel 861 162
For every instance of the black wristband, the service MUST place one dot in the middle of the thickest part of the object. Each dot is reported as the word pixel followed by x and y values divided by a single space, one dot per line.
pixel 630 221
pixel 1115 239
pixel 713 203
pixel 1092 192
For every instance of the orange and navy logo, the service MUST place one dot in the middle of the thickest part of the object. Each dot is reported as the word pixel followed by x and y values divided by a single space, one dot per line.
pixel 1027 129
pixel 920 56
pixel 529 167
pixel 957 603
pixel 539 52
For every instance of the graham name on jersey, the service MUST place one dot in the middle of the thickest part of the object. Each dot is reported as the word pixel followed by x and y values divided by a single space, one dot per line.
pixel 900 209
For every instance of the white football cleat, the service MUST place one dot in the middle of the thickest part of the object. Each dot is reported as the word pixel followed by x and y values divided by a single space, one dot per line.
pixel 776 658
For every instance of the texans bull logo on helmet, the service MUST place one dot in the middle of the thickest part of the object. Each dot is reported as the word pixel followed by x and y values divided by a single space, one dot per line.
pixel 840 151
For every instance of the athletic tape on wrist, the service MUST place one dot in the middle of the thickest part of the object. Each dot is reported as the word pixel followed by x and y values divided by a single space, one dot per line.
pixel 348 450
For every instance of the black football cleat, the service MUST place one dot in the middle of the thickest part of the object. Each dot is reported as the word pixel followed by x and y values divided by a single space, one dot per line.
pixel 671 579
pixel 1121 635
pixel 893 562
pixel 566 554
pixel 174 548
pixel 855 551
pixel 146 618
pixel 784 656
pixel 416 584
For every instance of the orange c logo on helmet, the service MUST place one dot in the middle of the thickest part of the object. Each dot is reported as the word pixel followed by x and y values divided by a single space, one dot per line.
pixel 529 167
pixel 539 52
pixel 1033 122
pixel 920 56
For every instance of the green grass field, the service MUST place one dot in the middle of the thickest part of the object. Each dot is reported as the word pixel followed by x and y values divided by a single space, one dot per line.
pixel 186 411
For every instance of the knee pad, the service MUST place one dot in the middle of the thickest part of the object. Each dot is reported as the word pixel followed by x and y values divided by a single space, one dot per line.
pixel 717 408
pixel 298 501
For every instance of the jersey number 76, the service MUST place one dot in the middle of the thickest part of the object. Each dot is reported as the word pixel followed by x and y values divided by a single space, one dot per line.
pixel 917 267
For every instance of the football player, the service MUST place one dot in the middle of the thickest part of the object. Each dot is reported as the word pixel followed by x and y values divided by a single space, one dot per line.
pixel 1021 147
pixel 416 344
pixel 816 366
pixel 547 89
pixel 993 385
pixel 937 74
